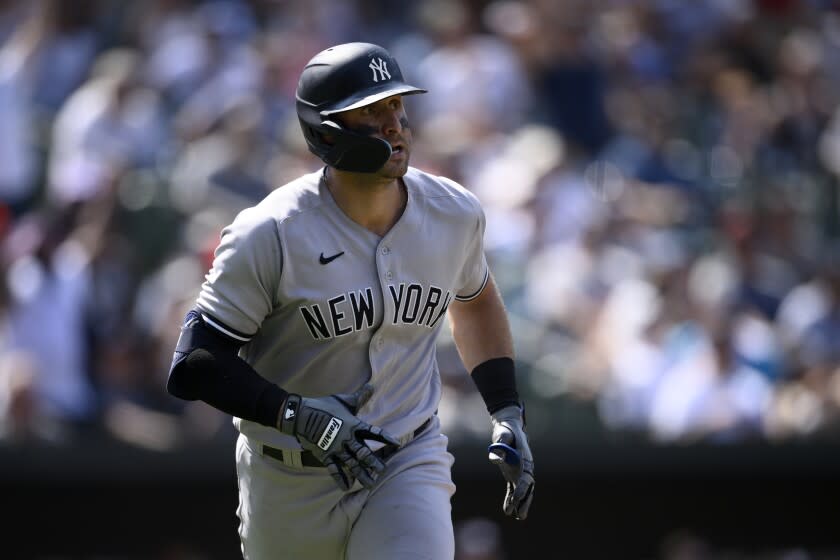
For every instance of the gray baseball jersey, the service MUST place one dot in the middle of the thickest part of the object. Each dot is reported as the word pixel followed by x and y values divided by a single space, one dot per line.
pixel 326 305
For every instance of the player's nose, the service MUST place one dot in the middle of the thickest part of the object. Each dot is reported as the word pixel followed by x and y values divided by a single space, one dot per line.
pixel 391 124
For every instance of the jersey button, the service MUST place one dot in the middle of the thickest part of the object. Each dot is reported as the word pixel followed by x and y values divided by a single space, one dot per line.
pixel 389 275
pixel 386 250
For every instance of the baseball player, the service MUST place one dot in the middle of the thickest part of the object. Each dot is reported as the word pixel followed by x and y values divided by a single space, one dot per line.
pixel 316 328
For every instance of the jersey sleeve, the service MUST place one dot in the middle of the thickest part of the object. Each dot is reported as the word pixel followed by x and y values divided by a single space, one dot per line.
pixel 240 289
pixel 474 272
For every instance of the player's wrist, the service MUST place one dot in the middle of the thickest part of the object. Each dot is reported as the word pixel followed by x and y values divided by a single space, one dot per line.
pixel 496 383
pixel 508 413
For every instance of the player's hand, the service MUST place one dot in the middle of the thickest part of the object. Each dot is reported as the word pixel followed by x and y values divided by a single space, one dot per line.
pixel 510 451
pixel 330 429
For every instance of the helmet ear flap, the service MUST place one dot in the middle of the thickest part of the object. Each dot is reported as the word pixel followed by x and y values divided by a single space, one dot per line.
pixel 354 152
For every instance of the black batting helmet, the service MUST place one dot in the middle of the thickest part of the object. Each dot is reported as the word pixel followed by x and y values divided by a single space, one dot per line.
pixel 340 78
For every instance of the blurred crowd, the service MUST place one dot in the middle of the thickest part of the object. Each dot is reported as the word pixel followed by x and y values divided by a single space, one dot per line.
pixel 659 179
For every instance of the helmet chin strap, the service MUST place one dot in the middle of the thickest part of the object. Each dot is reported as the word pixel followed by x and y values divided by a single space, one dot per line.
pixel 355 152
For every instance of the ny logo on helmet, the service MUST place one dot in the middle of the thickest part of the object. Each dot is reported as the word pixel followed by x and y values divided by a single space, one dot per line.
pixel 381 67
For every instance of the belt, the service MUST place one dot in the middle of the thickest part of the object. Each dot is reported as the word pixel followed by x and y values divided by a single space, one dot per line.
pixel 305 458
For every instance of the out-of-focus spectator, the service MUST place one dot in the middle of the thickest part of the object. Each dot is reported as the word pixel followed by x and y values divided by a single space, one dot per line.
pixel 571 82
pixel 52 50
pixel 475 80
pixel 111 123
pixel 42 62
pixel 48 279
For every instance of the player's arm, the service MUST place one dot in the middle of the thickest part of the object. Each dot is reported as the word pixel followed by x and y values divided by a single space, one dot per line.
pixel 481 331
pixel 482 336
pixel 206 366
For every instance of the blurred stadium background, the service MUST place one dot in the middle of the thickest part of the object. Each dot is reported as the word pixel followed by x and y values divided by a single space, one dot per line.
pixel 661 185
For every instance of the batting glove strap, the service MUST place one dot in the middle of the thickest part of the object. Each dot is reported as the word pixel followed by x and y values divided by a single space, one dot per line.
pixel 518 472
pixel 287 420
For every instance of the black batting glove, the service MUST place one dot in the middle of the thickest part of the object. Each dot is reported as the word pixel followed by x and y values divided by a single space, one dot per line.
pixel 329 428
pixel 511 453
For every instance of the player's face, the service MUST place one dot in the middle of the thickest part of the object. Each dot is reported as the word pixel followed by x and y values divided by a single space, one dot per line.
pixel 385 119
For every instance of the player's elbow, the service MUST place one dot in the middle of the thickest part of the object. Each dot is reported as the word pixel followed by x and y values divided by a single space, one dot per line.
pixel 185 375
pixel 194 363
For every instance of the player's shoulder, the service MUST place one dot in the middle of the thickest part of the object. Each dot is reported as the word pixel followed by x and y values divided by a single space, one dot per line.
pixel 441 190
pixel 296 196
pixel 291 199
pixel 285 201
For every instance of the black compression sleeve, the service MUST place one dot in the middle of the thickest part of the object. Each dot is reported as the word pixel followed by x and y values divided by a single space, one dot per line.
pixel 227 382
pixel 206 366
pixel 496 381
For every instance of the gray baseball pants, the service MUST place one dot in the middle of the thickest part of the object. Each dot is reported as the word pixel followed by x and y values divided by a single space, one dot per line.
pixel 299 513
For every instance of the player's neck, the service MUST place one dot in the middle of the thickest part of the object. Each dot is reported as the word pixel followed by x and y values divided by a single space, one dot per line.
pixel 375 203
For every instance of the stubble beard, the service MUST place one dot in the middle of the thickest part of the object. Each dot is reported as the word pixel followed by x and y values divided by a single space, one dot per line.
pixel 394 170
